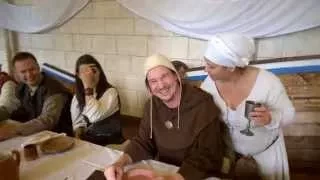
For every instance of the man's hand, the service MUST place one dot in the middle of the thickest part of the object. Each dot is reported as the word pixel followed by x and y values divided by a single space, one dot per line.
pixel 78 132
pixel 7 133
pixel 176 176
pixel 113 172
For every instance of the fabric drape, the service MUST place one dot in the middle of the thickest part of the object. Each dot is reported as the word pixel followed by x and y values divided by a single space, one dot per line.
pixel 204 18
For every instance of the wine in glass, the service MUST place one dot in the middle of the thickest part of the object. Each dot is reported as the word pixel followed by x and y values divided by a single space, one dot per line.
pixel 250 105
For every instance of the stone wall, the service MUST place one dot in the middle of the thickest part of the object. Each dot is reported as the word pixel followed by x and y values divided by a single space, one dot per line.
pixel 121 40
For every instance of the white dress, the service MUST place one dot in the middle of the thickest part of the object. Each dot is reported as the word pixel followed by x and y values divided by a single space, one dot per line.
pixel 268 90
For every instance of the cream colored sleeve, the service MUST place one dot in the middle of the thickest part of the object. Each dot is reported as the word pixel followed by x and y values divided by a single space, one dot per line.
pixel 76 116
pixel 282 109
pixel 8 98
pixel 99 109
pixel 49 117
pixel 278 102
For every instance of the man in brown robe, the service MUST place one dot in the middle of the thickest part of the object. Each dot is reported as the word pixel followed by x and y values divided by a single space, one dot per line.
pixel 180 126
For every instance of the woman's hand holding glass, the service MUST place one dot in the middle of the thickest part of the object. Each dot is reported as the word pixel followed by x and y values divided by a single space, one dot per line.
pixel 261 116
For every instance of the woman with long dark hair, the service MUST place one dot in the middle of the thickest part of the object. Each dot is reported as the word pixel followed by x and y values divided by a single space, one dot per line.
pixel 95 108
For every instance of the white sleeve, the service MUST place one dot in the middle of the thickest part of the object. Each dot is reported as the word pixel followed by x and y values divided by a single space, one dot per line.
pixel 278 102
pixel 8 97
pixel 206 85
pixel 77 118
pixel 96 110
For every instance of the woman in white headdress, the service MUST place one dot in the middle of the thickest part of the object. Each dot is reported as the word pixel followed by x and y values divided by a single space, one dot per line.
pixel 232 82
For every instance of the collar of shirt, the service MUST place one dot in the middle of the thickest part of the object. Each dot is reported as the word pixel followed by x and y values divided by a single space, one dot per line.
pixel 32 90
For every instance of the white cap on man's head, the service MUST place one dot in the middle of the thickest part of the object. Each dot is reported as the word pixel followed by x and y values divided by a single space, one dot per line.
pixel 155 61
pixel 230 50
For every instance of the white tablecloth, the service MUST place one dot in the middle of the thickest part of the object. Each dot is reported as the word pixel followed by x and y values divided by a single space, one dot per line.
pixel 75 164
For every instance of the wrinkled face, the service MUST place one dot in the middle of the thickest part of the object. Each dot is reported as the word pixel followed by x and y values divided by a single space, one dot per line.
pixel 89 71
pixel 163 83
pixel 215 71
pixel 27 72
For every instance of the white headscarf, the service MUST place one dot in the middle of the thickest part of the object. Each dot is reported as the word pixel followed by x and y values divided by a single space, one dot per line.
pixel 230 50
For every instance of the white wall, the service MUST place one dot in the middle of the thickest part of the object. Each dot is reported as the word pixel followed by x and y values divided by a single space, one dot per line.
pixel 3 52
pixel 121 41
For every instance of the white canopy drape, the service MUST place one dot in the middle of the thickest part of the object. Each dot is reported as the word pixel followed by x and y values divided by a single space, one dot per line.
pixel 42 15
pixel 203 18
pixel 194 18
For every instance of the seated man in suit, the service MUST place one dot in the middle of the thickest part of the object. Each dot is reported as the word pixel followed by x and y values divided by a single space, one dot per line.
pixel 44 102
